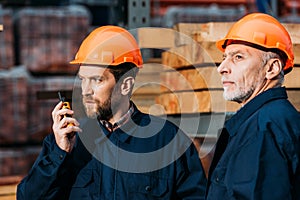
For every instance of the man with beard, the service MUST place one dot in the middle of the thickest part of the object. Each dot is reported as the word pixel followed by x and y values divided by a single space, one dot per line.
pixel 117 152
pixel 258 151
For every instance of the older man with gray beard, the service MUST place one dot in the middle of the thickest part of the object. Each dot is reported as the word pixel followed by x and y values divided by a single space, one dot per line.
pixel 257 155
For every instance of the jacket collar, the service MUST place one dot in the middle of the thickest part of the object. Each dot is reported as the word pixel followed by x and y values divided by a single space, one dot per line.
pixel 126 130
pixel 233 124
pixel 123 120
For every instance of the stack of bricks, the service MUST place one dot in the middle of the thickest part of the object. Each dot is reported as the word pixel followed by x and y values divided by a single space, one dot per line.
pixel 17 161
pixel 7 55
pixel 13 103
pixel 25 119
pixel 49 37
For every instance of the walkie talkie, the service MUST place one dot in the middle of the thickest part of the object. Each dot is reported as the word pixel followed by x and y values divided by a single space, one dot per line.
pixel 66 105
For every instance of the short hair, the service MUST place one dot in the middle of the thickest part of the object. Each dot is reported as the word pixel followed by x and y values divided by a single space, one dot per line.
pixel 123 71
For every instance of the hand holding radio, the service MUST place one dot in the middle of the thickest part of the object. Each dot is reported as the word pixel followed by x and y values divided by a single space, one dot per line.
pixel 64 125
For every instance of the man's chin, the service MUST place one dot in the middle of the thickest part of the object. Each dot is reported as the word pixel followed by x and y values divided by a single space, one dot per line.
pixel 91 114
pixel 229 96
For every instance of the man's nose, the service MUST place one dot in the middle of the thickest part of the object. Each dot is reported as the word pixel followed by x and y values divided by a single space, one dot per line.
pixel 224 67
pixel 86 88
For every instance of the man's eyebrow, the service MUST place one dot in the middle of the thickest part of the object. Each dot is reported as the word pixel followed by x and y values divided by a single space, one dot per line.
pixel 91 77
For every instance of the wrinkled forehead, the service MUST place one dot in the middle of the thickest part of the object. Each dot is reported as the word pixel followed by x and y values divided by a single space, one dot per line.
pixel 233 49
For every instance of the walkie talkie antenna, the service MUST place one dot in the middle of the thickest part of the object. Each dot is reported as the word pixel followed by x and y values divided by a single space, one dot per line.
pixel 60 97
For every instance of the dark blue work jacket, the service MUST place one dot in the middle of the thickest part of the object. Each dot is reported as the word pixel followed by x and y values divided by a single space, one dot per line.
pixel 147 158
pixel 261 160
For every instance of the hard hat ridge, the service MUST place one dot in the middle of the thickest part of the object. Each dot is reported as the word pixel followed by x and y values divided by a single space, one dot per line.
pixel 109 45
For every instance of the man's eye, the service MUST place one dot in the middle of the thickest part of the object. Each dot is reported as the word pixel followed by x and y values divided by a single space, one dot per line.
pixel 80 78
pixel 97 80
pixel 238 57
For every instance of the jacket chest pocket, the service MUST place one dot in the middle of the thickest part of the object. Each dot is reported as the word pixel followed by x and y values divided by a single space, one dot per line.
pixel 86 185
pixel 218 188
pixel 148 187
pixel 218 177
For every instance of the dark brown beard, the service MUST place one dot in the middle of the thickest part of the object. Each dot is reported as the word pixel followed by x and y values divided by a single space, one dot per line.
pixel 105 111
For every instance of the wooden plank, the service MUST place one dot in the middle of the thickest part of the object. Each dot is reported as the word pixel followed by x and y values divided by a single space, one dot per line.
pixel 210 31
pixel 296 49
pixel 208 101
pixel 8 190
pixel 195 43
pixel 147 103
pixel 185 55
pixel 216 54
pixel 148 79
pixel 213 54
pixel 149 74
pixel 214 31
pixel 293 30
pixel 206 34
pixel 152 60
pixel 9 197
pixel 202 52
pixel 152 65
pixel 152 37
pixel 147 86
pixel 196 101
pixel 187 79
pixel 208 77
pixel 8 187
pixel 146 89
pixel 9 180
pixel 294 97
pixel 292 80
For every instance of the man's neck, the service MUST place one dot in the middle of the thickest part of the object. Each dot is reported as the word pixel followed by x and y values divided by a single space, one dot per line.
pixel 268 85
pixel 122 110
pixel 114 124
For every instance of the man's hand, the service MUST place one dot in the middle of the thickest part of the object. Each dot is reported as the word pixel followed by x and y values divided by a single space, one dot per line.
pixel 64 134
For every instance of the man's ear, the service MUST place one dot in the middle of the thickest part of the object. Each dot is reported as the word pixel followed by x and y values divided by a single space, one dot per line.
pixel 127 85
pixel 274 67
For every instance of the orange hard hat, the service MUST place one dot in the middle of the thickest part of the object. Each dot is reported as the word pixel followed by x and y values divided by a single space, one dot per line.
pixel 109 45
pixel 261 31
